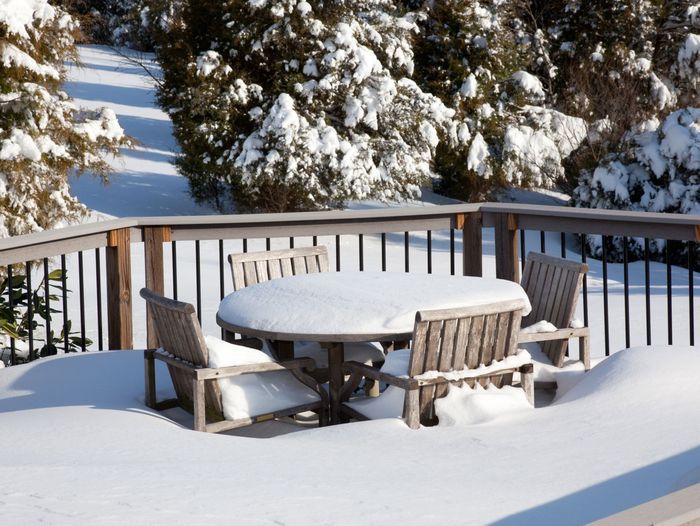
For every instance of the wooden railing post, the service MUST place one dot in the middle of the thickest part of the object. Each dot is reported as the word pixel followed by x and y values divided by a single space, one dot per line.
pixel 470 224
pixel 153 239
pixel 507 264
pixel 119 312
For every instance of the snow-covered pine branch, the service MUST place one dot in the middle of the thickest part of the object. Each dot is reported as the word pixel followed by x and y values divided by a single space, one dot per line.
pixel 43 136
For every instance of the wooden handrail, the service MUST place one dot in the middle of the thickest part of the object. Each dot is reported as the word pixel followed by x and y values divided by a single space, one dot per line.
pixel 118 235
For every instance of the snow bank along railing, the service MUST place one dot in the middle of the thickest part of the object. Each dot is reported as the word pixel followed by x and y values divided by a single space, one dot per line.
pixel 461 231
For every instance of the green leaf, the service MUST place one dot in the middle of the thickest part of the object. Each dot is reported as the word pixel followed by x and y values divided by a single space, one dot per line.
pixel 56 275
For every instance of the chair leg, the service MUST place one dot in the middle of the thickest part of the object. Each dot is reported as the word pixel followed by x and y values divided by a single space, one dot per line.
pixel 150 378
pixel 200 416
pixel 411 408
pixel 527 380
pixel 584 352
pixel 323 417
pixel 372 386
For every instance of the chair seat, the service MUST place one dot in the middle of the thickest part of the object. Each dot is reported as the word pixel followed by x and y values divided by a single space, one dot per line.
pixel 254 394
pixel 389 404
pixel 363 352
pixel 547 375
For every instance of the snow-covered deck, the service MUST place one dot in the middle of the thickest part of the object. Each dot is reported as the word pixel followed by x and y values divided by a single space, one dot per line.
pixel 81 447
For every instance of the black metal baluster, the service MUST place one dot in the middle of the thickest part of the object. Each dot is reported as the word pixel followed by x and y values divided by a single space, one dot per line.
pixel 669 300
pixel 542 245
pixel 98 284
pixel 48 340
pixel 430 252
pixel 452 251
pixel 11 305
pixel 522 250
pixel 691 291
pixel 267 244
pixel 383 252
pixel 30 310
pixel 198 277
pixel 605 297
pixel 337 253
pixel 314 241
pixel 81 295
pixel 563 245
pixel 64 292
pixel 405 250
pixel 291 242
pixel 585 281
pixel 174 262
pixel 362 252
pixel 221 276
pixel 625 262
pixel 647 289
pixel 245 246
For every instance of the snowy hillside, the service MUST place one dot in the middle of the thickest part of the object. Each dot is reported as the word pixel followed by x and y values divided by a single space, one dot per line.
pixel 144 182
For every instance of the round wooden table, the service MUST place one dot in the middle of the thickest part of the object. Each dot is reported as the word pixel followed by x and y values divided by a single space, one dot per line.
pixel 340 307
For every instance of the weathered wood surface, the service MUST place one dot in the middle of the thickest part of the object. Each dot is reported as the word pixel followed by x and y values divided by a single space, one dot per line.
pixel 506 241
pixel 153 239
pixel 452 340
pixel 119 308
pixel 19 249
pixel 250 268
pixel 680 508
pixel 472 246
pixel 180 334
pixel 553 285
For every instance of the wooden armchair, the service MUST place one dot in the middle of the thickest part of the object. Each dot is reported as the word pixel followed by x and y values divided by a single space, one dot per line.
pixel 255 267
pixel 454 341
pixel 552 285
pixel 185 352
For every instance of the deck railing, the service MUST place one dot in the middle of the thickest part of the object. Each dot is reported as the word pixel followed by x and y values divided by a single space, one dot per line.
pixel 185 257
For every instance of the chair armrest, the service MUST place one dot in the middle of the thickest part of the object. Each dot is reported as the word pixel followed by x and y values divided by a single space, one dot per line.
pixel 559 334
pixel 357 368
pixel 237 370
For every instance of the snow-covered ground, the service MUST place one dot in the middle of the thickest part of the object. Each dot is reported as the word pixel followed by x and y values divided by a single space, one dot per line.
pixel 83 448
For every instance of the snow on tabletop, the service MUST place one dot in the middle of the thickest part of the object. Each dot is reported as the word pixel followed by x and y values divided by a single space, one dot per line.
pixel 626 433
pixel 255 393
pixel 357 302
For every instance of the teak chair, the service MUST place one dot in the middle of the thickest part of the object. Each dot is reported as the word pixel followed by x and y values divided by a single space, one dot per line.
pixel 552 284
pixel 255 267
pixel 185 352
pixel 449 340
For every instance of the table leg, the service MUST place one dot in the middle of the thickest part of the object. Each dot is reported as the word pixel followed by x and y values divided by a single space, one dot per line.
pixel 283 350
pixel 336 357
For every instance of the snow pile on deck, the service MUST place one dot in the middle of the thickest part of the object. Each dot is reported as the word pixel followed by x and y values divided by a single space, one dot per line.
pixel 84 449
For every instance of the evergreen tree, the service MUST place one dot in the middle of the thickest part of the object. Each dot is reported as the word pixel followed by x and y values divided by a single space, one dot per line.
pixel 475 56
pixel 630 69
pixel 294 105
pixel 43 136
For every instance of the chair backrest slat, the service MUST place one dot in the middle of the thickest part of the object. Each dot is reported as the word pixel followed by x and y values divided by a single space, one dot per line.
pixel 553 285
pixel 454 339
pixel 255 267
pixel 180 334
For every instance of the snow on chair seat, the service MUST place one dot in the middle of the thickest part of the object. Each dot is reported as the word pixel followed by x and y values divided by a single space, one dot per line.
pixel 224 385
